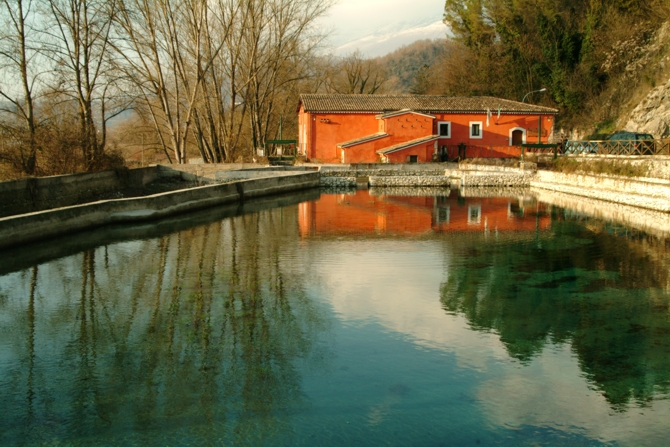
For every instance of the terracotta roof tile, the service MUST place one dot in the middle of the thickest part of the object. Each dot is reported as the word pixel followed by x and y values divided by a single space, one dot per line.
pixel 407 144
pixel 364 139
pixel 318 102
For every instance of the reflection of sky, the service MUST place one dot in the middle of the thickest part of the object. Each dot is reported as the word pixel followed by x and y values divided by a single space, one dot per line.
pixel 396 284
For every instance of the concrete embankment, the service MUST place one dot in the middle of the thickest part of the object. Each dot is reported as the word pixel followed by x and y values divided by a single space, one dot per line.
pixel 35 194
pixel 649 221
pixel 24 228
pixel 649 193
pixel 20 257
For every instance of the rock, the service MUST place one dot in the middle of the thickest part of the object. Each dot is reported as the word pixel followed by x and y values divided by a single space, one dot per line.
pixel 652 114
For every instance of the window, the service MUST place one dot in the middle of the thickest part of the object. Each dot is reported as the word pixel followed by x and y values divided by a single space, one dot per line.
pixel 413 158
pixel 475 129
pixel 442 214
pixel 444 129
pixel 474 214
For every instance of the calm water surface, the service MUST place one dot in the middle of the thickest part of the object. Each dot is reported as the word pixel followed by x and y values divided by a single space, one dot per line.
pixel 345 319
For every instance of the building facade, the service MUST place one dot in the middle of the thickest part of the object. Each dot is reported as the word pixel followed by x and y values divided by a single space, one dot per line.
pixel 340 128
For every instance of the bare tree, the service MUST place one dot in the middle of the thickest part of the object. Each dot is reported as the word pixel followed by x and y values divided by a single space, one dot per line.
pixel 163 44
pixel 278 50
pixel 220 111
pixel 16 54
pixel 80 45
pixel 356 74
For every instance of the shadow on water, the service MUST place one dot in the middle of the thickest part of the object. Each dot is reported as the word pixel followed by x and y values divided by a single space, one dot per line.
pixel 191 335
pixel 605 294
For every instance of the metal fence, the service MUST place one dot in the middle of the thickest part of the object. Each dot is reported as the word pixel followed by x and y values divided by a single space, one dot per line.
pixel 608 147
pixel 569 147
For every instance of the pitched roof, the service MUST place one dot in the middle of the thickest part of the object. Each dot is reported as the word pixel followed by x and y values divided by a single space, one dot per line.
pixel 333 103
pixel 407 144
pixel 364 139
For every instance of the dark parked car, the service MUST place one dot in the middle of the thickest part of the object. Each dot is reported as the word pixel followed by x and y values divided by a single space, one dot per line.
pixel 634 143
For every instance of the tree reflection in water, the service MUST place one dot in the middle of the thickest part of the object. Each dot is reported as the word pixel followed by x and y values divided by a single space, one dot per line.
pixel 192 336
pixel 604 294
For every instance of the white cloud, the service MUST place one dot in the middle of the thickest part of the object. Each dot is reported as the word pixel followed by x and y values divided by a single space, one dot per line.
pixel 393 23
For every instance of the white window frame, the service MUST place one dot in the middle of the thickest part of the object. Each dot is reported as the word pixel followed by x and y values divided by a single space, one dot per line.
pixel 481 130
pixel 442 211
pixel 523 140
pixel 477 219
pixel 448 135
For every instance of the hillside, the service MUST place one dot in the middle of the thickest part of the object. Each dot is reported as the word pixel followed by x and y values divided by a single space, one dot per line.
pixel 403 64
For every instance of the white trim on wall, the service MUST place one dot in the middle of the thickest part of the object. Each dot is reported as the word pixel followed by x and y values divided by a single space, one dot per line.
pixel 448 135
pixel 523 141
pixel 481 130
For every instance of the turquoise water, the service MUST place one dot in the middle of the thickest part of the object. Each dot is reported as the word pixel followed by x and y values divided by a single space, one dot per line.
pixel 347 319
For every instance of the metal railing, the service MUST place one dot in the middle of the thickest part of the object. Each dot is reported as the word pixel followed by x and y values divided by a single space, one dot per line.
pixel 621 147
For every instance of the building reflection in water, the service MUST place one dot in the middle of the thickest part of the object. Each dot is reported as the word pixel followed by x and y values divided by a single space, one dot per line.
pixel 361 214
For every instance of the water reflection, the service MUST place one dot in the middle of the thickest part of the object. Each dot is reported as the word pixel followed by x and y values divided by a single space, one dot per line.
pixel 351 318
pixel 535 275
pixel 597 291
pixel 363 214
pixel 197 332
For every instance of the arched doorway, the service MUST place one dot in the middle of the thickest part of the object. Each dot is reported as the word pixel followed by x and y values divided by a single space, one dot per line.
pixel 517 137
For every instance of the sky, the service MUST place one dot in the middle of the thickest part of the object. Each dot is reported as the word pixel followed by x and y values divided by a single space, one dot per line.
pixel 379 26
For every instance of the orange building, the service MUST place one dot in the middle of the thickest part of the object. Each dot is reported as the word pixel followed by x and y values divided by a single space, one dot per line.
pixel 415 128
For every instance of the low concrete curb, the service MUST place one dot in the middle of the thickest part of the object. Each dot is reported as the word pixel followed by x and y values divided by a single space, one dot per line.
pixel 24 228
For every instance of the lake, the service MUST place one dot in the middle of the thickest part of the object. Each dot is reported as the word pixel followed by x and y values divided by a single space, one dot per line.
pixel 384 317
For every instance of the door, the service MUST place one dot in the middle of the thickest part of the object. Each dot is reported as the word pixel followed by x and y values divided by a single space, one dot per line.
pixel 517 137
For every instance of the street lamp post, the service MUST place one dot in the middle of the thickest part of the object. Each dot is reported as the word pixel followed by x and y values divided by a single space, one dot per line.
pixel 539 118
pixel 534 91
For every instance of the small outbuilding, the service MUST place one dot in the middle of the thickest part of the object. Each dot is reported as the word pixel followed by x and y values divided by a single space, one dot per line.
pixel 417 128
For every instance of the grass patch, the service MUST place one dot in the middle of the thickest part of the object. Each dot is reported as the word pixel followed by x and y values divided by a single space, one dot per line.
pixel 609 167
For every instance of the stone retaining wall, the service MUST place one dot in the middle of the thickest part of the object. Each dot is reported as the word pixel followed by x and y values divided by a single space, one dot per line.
pixel 337 182
pixel 383 173
pixel 495 191
pixel 386 167
pixel 410 191
pixel 410 180
pixel 494 168
pixel 495 180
